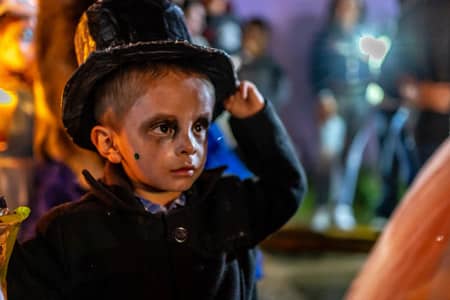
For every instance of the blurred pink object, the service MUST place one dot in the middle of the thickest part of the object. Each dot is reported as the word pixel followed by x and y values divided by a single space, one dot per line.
pixel 411 259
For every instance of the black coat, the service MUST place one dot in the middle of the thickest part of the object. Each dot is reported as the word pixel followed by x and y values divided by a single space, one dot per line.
pixel 106 246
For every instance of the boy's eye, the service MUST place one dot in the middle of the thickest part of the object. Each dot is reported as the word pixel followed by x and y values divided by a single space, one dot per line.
pixel 201 126
pixel 198 127
pixel 164 129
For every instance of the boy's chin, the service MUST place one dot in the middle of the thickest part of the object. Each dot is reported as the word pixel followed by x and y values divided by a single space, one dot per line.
pixel 181 188
pixel 172 185
pixel 174 188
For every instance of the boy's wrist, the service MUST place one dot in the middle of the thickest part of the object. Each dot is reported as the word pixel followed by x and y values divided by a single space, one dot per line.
pixel 261 113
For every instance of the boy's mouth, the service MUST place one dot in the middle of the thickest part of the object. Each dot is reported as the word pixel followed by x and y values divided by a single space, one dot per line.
pixel 184 171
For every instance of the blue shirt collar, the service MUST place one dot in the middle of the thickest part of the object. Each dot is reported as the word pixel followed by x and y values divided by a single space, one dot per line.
pixel 154 208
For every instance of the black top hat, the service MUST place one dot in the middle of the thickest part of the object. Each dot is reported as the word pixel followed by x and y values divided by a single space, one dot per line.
pixel 112 33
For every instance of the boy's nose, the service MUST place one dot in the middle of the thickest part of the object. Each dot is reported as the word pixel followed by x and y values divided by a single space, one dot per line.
pixel 186 144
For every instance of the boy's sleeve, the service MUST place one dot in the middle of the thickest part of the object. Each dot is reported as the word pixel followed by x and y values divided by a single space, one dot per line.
pixel 35 269
pixel 274 196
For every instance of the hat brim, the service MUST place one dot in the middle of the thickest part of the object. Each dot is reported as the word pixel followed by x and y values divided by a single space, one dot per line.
pixel 77 102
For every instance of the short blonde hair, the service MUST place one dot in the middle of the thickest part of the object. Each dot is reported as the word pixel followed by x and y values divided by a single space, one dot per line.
pixel 117 93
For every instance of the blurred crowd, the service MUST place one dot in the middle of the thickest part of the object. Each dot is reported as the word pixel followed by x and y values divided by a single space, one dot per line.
pixel 390 93
pixel 381 101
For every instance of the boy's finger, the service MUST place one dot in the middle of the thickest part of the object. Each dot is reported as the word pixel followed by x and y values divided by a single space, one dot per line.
pixel 252 91
pixel 243 87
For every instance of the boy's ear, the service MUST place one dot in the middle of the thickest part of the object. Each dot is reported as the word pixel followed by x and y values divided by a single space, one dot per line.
pixel 102 138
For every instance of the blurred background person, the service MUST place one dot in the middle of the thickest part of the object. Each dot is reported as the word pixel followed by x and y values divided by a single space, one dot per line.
pixel 259 66
pixel 195 18
pixel 223 30
pixel 418 70
pixel 17 85
pixel 58 162
pixel 340 75
pixel 416 74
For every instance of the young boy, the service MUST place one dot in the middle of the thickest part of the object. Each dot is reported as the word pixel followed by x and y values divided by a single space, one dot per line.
pixel 157 226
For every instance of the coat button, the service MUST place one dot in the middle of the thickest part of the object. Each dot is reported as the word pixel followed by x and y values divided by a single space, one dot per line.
pixel 180 234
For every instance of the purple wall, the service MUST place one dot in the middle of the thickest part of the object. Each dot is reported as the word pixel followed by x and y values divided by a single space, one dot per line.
pixel 295 23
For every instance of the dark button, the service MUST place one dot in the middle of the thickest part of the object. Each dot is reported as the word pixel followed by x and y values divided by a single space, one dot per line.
pixel 180 234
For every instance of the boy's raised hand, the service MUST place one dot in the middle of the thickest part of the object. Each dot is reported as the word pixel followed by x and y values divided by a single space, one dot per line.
pixel 245 102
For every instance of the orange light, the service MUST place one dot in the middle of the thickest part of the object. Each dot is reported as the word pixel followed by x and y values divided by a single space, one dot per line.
pixel 17 46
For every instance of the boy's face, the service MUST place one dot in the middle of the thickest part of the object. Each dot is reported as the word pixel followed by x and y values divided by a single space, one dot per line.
pixel 163 138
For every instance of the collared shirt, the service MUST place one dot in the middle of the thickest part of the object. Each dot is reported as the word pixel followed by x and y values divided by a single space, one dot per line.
pixel 154 208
